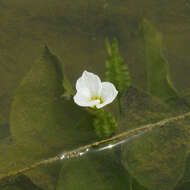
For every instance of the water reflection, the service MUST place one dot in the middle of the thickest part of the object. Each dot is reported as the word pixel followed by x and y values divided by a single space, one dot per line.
pixel 110 146
pixel 78 153
pixel 74 154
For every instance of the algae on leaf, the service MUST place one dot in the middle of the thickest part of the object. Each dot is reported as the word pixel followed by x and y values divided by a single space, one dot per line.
pixel 39 116
pixel 18 183
pixel 43 124
pixel 156 159
pixel 158 77
pixel 184 183
pixel 96 171
pixel 37 113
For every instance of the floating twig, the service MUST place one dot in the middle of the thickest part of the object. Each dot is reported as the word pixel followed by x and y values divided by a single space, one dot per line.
pixel 77 152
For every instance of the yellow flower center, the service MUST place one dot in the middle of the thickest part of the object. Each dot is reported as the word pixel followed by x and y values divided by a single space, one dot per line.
pixel 97 98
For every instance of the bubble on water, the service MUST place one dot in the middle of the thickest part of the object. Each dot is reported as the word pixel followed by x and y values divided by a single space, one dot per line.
pixel 62 156
pixel 81 153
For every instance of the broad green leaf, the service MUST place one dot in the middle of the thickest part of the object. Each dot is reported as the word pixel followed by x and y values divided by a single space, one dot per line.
pixel 18 183
pixel 6 90
pixel 158 76
pixel 98 171
pixel 184 183
pixel 4 131
pixel 156 159
pixel 183 186
pixel 43 124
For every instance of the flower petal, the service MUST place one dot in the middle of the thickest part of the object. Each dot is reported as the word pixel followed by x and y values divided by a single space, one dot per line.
pixel 84 101
pixel 108 94
pixel 91 82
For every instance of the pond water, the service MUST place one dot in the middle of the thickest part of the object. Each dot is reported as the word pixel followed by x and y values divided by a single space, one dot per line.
pixel 40 128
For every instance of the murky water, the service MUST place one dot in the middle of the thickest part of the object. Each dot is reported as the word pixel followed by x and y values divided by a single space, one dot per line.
pixel 75 31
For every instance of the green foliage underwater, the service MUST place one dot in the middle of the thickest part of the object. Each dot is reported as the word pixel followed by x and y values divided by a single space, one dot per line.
pixel 45 122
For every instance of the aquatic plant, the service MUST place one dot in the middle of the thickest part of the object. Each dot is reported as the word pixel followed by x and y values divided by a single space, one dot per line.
pixel 104 123
pixel 43 123
pixel 91 92
pixel 158 81
pixel 116 69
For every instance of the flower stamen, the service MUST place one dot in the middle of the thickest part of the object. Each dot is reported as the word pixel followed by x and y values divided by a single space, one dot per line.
pixel 97 98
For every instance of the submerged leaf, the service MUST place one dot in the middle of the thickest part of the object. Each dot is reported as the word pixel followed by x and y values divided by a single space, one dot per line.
pixel 116 69
pixel 98 171
pixel 42 123
pixel 184 183
pixel 158 77
pixel 69 92
pixel 18 183
pixel 104 124
pixel 156 158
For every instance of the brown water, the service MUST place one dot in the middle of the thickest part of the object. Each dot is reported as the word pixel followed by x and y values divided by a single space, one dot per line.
pixel 76 31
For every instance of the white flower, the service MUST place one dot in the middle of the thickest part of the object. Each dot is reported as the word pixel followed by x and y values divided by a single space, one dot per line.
pixel 91 92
